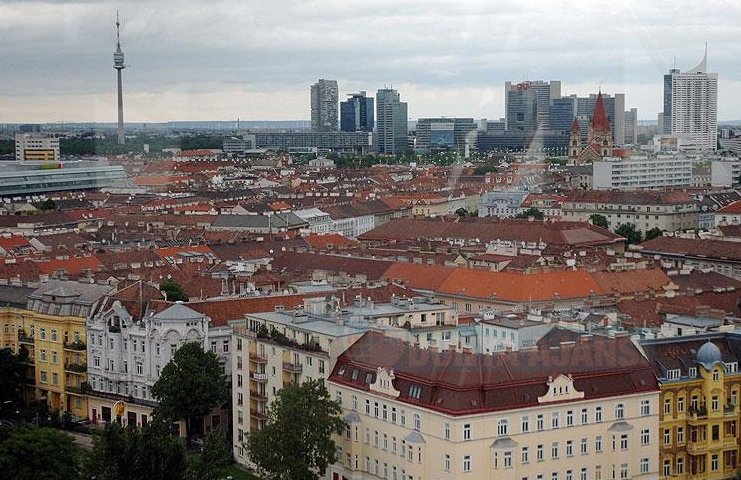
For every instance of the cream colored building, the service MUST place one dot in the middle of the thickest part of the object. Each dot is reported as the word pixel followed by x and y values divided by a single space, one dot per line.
pixel 274 349
pixel 36 147
pixel 579 412
pixel 645 209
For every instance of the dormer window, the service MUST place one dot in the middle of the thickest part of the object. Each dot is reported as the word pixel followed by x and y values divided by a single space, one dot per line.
pixel 415 391
pixel 732 367
pixel 341 371
pixel 673 374
pixel 693 372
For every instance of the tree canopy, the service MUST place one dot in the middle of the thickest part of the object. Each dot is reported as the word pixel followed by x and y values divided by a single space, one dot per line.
pixel 629 231
pixel 653 233
pixel 10 376
pixel 29 453
pixel 175 292
pixel 297 442
pixel 531 212
pixel 599 220
pixel 129 453
pixel 191 384
pixel 215 456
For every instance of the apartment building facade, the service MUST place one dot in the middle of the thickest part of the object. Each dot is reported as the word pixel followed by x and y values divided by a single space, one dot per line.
pixel 698 406
pixel 273 349
pixel 418 414
pixel 128 348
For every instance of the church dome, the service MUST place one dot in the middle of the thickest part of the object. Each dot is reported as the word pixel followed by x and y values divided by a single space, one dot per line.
pixel 708 355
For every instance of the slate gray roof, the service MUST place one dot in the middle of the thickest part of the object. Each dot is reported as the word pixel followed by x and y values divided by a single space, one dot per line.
pixel 259 222
pixel 178 312
pixel 86 293
pixel 11 296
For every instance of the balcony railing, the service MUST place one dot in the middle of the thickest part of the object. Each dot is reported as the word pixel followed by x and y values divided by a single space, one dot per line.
pixel 260 377
pixel 258 358
pixel 260 397
pixel 293 367
pixel 77 345
pixel 23 338
pixel 257 414
pixel 730 410
pixel 697 413
pixel 75 367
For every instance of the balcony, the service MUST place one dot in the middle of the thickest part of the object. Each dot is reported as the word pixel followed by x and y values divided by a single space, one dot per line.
pixel 257 414
pixel 260 377
pixel 23 338
pixel 697 414
pixel 77 345
pixel 730 410
pixel 260 397
pixel 697 448
pixel 729 442
pixel 114 329
pixel 258 359
pixel 81 389
pixel 75 368
pixel 293 367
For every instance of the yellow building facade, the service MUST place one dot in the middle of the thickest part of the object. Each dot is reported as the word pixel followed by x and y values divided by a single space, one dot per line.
pixel 699 412
pixel 49 336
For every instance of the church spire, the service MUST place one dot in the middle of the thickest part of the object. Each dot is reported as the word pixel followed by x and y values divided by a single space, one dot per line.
pixel 600 122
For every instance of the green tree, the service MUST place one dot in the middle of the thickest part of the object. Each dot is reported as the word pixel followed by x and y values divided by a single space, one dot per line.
pixel 215 457
pixel 653 233
pixel 531 212
pixel 129 453
pixel 484 169
pixel 174 290
pixel 461 212
pixel 629 231
pixel 191 385
pixel 10 377
pixel 29 453
pixel 599 220
pixel 297 442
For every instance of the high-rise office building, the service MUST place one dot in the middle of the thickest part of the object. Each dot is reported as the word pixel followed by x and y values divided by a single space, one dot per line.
pixel 391 116
pixel 324 100
pixel 527 104
pixel 356 113
pixel 691 105
pixel 562 113
pixel 631 126
pixel 445 133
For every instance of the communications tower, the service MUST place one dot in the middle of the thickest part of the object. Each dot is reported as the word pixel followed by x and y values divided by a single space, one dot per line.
pixel 118 64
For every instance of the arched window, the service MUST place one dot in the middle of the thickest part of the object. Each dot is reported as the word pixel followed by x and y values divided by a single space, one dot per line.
pixel 417 422
pixel 619 411
pixel 502 427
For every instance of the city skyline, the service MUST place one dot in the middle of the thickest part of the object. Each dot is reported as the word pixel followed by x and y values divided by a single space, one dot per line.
pixel 257 64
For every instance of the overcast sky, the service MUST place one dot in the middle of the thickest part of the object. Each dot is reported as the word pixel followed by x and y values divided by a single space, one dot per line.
pixel 255 59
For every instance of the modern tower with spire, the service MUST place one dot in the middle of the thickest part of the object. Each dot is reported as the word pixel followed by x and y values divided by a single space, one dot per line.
pixel 118 64
pixel 691 105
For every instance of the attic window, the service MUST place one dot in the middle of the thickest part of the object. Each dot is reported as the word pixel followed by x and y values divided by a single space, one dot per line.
pixel 693 372
pixel 341 371
pixel 354 375
pixel 732 367
pixel 415 391
pixel 673 374
pixel 369 378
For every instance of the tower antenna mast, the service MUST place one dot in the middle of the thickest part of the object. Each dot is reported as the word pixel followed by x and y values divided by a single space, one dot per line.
pixel 118 64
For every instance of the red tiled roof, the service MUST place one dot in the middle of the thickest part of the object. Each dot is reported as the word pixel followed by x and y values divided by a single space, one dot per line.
pixel 503 286
pixel 461 383
pixel 632 281
pixel 323 241
pixel 73 266
pixel 732 208
pixel 696 247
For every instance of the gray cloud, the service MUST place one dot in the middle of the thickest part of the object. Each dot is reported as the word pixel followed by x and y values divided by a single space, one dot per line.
pixel 229 58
